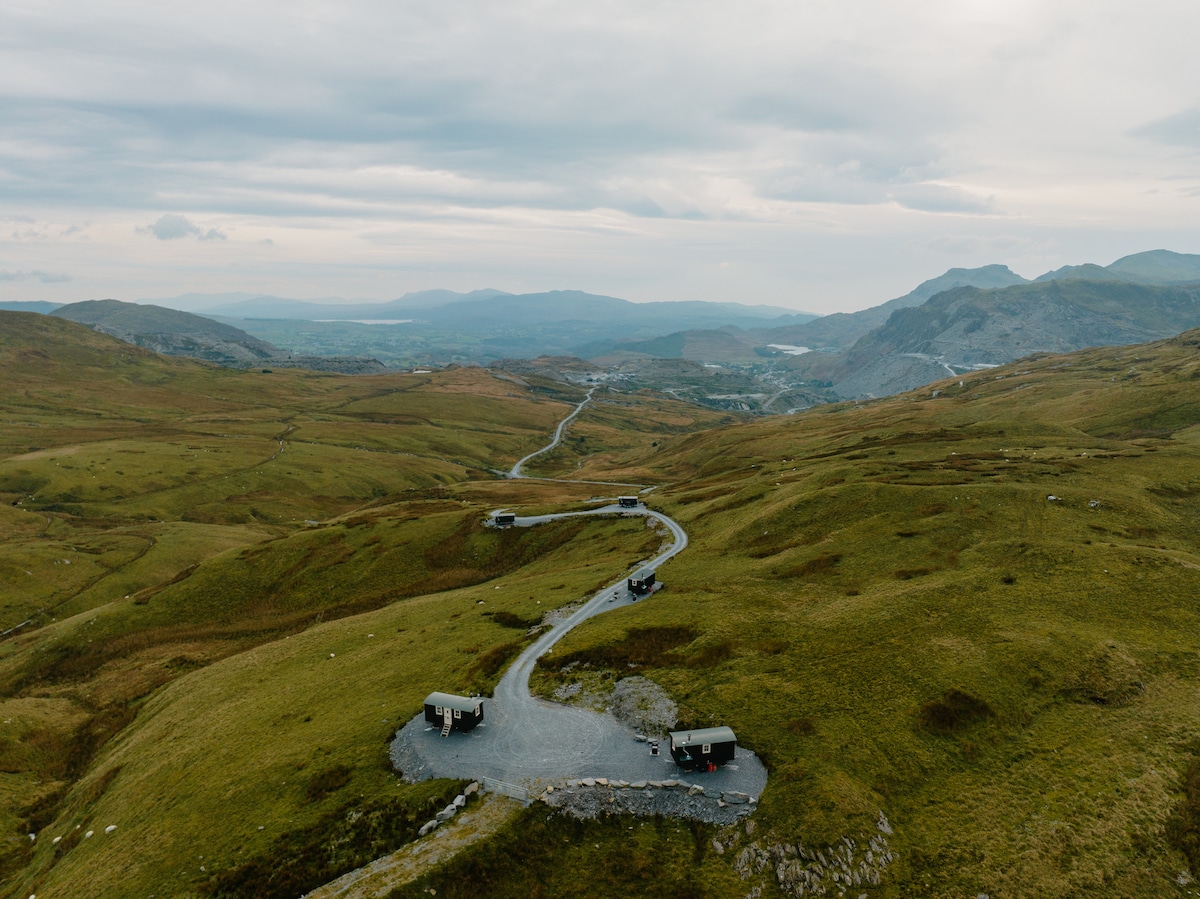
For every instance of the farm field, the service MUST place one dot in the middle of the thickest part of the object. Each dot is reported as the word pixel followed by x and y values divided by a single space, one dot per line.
pixel 961 620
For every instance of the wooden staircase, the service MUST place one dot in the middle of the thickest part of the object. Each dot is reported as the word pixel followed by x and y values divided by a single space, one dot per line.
pixel 447 723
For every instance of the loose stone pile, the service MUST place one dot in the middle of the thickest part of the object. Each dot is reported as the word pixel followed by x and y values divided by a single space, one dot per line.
pixel 590 797
pixel 806 871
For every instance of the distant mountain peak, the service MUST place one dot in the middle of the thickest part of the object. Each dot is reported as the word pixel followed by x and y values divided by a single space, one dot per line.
pixel 984 277
pixel 1159 267
pixel 1162 267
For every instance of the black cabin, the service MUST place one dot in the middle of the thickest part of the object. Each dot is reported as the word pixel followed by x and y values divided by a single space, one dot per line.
pixel 450 712
pixel 642 582
pixel 703 750
pixel 504 518
pixel 627 502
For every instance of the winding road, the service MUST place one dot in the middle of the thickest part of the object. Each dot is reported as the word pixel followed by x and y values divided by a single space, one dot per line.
pixel 515 471
pixel 525 740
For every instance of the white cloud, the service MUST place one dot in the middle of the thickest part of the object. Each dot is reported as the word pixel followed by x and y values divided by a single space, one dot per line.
pixel 930 197
pixel 176 227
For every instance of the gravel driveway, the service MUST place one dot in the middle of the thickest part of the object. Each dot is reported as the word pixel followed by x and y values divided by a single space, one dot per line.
pixel 534 743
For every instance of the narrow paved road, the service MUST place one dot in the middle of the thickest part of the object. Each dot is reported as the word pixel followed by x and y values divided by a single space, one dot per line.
pixel 525 740
pixel 558 433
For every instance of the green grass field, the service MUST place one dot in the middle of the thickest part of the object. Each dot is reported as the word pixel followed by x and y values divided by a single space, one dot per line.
pixel 881 599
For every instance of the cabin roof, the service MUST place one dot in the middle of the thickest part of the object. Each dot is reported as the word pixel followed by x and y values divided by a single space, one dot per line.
pixel 702 736
pixel 463 703
pixel 642 573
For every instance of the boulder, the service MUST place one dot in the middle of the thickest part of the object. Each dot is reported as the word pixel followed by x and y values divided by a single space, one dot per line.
pixel 428 827
pixel 460 801
pixel 735 798
pixel 638 785
pixel 472 788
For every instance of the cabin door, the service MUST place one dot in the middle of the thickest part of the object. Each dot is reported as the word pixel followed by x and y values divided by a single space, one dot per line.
pixel 447 721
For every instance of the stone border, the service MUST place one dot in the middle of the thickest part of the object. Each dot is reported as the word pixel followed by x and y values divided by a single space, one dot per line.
pixel 588 797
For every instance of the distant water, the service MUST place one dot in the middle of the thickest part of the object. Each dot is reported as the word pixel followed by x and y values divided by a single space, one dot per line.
pixel 790 350
pixel 366 321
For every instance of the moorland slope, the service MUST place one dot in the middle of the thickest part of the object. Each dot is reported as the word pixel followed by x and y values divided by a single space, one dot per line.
pixel 959 623
pixel 164 522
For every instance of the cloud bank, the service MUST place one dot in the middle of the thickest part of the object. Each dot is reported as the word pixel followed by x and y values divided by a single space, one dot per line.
pixel 809 154
pixel 43 277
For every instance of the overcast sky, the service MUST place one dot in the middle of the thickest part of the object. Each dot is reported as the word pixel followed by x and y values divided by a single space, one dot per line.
pixel 818 155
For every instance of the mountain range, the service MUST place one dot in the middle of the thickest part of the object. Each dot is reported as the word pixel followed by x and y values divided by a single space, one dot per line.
pixel 964 319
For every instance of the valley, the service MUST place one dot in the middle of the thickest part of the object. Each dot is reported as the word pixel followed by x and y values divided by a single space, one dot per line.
pixel 723 356
pixel 962 618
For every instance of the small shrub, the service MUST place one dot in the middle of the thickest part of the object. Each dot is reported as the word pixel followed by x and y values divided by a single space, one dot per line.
pixel 954 711
pixel 508 619
pixel 328 781
pixel 812 567
pixel 489 663
pixel 801 727
pixel 710 655
pixel 772 646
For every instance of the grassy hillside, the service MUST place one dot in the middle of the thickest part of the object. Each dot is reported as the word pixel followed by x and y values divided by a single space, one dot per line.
pixel 882 599
pixel 901 619
pixel 169 526
pixel 147 325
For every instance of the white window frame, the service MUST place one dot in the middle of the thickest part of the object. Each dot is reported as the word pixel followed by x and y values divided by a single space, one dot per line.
pixel 706 749
pixel 458 713
pixel 437 710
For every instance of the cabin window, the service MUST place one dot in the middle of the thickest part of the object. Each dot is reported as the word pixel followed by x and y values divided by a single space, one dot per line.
pixel 437 710
pixel 458 713
pixel 706 749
